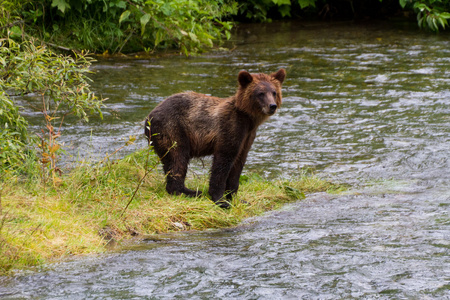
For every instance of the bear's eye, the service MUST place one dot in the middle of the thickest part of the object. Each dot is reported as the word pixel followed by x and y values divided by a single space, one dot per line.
pixel 261 95
pixel 274 94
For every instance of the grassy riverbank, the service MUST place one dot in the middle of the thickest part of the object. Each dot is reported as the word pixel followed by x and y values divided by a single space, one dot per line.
pixel 88 209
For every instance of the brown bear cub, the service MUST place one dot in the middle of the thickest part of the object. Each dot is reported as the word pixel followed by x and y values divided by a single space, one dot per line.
pixel 190 124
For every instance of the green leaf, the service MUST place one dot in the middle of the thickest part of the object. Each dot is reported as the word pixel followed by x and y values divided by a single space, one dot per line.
pixel 282 2
pixel 144 20
pixel 193 37
pixel 421 6
pixel 243 179
pixel 430 22
pixel 185 50
pixel 285 10
pixel 435 25
pixel 445 15
pixel 420 22
pixel 61 4
pixel 121 4
pixel 158 37
pixel 124 16
pixel 16 32
pixel 442 22
pixel 166 9
pixel 305 3
pixel 293 192
pixel 403 3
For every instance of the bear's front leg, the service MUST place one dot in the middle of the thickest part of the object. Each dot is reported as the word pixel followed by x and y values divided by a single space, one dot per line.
pixel 236 170
pixel 232 185
pixel 222 164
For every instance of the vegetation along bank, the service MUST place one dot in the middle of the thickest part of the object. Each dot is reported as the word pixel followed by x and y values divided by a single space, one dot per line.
pixel 124 26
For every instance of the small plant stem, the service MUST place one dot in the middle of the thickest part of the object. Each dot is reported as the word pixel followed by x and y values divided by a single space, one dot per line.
pixel 108 156
pixel 126 41
pixel 147 171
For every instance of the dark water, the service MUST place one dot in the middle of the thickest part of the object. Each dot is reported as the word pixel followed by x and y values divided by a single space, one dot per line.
pixel 363 104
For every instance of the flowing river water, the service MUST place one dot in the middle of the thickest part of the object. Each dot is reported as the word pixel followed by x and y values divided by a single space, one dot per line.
pixel 367 105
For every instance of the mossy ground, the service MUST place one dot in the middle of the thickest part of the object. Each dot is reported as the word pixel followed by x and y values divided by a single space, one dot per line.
pixel 88 208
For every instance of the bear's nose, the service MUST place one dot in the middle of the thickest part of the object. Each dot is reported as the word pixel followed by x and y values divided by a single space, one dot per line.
pixel 273 108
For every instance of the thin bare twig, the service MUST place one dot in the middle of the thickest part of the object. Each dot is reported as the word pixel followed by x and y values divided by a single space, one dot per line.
pixel 126 41
pixel 117 150
pixel 147 171
pixel 60 47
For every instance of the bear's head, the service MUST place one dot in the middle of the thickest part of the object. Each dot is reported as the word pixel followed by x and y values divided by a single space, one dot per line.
pixel 259 95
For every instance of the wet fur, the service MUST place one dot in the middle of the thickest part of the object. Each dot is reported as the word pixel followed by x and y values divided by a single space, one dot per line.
pixel 190 124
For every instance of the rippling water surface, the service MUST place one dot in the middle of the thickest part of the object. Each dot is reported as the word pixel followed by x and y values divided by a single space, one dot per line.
pixel 363 104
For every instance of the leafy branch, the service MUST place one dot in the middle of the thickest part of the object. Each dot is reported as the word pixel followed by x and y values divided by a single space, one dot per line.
pixel 61 84
pixel 432 18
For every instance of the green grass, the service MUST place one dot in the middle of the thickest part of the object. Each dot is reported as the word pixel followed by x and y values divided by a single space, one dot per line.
pixel 88 208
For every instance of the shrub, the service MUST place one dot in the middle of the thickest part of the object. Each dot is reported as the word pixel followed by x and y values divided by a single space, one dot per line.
pixel 13 135
pixel 61 87
pixel 122 25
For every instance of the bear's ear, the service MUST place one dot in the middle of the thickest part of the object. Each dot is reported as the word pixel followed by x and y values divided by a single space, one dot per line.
pixel 280 75
pixel 244 78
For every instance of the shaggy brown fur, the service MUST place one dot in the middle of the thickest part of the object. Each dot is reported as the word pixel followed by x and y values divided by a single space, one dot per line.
pixel 190 124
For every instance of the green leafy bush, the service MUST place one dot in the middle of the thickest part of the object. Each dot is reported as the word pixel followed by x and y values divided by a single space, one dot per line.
pixel 191 26
pixel 431 14
pixel 60 81
pixel 123 25
pixel 13 135
pixel 60 86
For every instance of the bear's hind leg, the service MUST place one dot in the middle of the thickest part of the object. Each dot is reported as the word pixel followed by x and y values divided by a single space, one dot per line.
pixel 175 167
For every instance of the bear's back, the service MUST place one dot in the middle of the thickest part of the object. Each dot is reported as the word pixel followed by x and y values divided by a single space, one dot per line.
pixel 189 116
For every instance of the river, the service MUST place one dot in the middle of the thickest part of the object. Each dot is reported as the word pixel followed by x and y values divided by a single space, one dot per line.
pixel 364 104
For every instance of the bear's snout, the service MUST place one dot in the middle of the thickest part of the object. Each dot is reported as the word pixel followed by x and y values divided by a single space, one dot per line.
pixel 272 108
pixel 269 109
